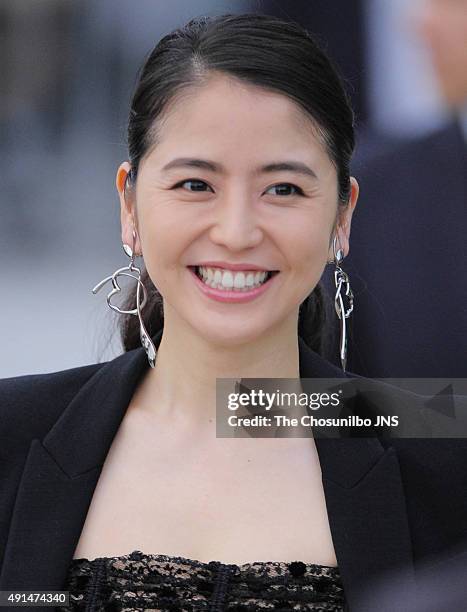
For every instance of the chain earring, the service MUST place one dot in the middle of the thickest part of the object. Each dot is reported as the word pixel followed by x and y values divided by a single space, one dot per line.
pixel 341 281
pixel 133 272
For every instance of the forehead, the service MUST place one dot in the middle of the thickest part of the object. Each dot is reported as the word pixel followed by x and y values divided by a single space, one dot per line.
pixel 225 112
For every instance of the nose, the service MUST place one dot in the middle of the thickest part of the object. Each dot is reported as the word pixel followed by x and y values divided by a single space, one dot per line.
pixel 236 223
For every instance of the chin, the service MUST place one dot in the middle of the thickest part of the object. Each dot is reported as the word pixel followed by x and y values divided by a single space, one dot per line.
pixel 230 335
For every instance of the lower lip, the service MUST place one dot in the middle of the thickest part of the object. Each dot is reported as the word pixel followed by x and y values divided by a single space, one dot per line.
pixel 223 295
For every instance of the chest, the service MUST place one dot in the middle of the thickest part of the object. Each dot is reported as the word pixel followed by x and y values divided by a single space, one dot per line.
pixel 232 500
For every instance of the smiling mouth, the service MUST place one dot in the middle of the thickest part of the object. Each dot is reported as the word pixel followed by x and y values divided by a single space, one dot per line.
pixel 234 281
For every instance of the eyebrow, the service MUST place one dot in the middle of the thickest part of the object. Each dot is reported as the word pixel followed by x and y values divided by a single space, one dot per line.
pixel 291 166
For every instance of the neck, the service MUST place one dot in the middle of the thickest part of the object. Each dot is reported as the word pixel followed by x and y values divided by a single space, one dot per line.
pixel 182 386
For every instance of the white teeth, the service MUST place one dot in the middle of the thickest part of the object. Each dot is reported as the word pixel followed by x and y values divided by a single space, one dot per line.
pixel 239 281
pixel 229 280
pixel 217 277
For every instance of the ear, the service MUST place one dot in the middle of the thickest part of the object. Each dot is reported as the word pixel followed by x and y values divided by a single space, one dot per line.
pixel 344 221
pixel 128 217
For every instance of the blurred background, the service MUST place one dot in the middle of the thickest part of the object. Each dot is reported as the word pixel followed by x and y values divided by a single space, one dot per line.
pixel 68 72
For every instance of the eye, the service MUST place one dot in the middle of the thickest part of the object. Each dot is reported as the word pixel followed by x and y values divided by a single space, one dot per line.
pixel 281 187
pixel 196 182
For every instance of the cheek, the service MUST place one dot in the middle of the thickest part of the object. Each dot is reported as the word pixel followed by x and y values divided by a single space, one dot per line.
pixel 162 242
pixel 306 257
pixel 310 248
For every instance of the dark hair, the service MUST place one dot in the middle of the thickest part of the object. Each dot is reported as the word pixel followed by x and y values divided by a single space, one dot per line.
pixel 266 51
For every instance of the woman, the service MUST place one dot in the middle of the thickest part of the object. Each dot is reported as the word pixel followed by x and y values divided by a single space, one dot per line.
pixel 114 485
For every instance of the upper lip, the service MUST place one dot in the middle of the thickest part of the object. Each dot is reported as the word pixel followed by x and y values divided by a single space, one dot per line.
pixel 233 266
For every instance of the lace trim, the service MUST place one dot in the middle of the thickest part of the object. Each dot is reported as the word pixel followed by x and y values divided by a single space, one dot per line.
pixel 165 583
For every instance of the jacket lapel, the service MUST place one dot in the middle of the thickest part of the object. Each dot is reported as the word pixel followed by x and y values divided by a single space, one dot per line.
pixel 366 508
pixel 61 474
pixel 367 516
pixel 361 479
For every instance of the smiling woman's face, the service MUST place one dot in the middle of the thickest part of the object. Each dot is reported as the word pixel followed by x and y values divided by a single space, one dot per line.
pixel 233 212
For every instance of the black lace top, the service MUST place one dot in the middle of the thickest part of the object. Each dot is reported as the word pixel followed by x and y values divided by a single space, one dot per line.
pixel 163 583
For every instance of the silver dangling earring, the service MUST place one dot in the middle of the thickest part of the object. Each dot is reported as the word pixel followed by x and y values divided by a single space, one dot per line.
pixel 133 272
pixel 341 281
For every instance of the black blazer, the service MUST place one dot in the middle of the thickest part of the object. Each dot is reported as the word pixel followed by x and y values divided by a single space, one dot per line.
pixel 392 504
